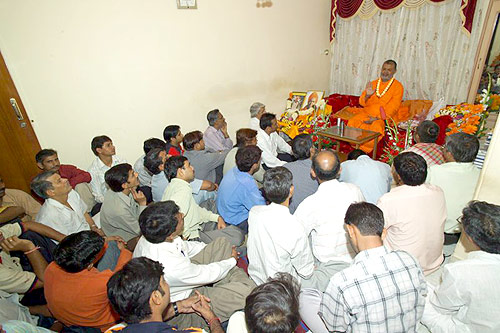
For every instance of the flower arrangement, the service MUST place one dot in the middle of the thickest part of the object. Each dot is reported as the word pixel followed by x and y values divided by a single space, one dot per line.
pixel 467 118
pixel 398 140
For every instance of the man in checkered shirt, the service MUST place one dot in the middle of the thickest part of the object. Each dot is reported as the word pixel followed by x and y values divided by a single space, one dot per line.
pixel 382 291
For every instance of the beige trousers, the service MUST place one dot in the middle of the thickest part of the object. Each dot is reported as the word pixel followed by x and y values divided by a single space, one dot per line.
pixel 83 189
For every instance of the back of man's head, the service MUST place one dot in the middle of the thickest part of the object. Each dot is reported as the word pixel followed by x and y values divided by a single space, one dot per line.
pixel 463 147
pixel 367 217
pixel 244 136
pixel 266 120
pixel 158 221
pixel 428 131
pixel 43 154
pixel 411 168
pixel 191 139
pixel 117 176
pixel 277 184
pixel 481 222
pixel 326 165
pixel 40 185
pixel 173 164
pixel 301 146
pixel 153 143
pixel 246 157
pixel 77 251
pixel 273 307
pixel 170 132
pixel 212 116
pixel 130 289
pixel 98 142
pixel 255 108
pixel 353 155
pixel 153 160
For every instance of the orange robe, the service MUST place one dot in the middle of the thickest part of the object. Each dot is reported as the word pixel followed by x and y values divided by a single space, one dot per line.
pixel 390 101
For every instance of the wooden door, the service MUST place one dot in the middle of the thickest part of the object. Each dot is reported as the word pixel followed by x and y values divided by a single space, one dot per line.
pixel 18 142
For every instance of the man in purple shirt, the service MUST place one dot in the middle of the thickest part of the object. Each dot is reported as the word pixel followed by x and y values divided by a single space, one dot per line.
pixel 215 136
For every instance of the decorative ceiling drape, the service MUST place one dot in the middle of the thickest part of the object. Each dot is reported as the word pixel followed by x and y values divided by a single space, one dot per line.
pixel 365 9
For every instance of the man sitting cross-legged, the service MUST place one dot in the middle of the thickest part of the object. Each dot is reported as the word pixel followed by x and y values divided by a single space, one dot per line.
pixel 322 214
pixel 48 160
pixel 468 297
pixel 238 192
pixel 141 296
pixel 122 204
pixel 63 209
pixel 189 265
pixel 16 205
pixel 414 212
pixel 277 241
pixel 382 291
pixel 200 223
pixel 275 151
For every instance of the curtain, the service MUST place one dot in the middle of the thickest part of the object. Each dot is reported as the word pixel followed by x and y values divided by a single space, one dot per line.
pixel 435 60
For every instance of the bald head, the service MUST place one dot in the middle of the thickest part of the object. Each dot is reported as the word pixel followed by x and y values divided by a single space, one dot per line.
pixel 326 165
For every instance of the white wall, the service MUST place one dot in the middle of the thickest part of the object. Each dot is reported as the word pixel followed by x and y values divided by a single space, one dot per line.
pixel 128 68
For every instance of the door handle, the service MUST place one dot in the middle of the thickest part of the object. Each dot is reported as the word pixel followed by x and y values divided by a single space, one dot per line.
pixel 17 111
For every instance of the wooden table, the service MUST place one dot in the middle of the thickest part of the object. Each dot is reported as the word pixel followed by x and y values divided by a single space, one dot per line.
pixel 352 135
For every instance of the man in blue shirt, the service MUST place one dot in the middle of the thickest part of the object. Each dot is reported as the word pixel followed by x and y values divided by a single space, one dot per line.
pixel 238 192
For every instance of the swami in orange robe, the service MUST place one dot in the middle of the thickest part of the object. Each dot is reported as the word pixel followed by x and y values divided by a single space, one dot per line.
pixel 369 117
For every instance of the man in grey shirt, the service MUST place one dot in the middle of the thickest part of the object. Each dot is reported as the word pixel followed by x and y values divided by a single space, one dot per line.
pixel 304 184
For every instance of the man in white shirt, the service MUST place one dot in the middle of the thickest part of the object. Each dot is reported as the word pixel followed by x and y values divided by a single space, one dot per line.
pixel 63 209
pixel 468 297
pixel 216 136
pixel 322 213
pixel 275 151
pixel 256 111
pixel 103 148
pixel 188 265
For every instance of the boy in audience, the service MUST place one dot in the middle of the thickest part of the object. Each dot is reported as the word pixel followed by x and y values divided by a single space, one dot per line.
pixel 208 164
pixel 457 178
pixel 103 148
pixel 210 268
pixel 144 174
pixel 275 151
pixel 141 296
pixel 322 214
pixel 257 109
pixel 468 297
pixel 216 137
pixel 382 291
pixel 48 160
pixel 74 288
pixel 303 183
pixel 16 205
pixel 173 137
pixel 238 192
pixel 200 223
pixel 122 204
pixel 372 177
pixel 63 209
pixel 414 212
pixel 425 137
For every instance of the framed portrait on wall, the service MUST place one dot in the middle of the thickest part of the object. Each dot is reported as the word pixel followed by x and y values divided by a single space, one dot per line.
pixel 311 99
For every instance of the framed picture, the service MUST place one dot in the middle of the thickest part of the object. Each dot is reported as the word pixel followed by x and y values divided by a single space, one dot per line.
pixel 297 99
pixel 311 99
pixel 186 4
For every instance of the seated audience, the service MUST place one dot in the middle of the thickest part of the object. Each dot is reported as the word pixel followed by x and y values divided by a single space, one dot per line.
pixel 16 204
pixel 303 183
pixel 141 296
pixel 74 288
pixel 103 148
pixel 63 209
pixel 238 192
pixel 277 241
pixel 215 136
pixel 457 178
pixel 122 204
pixel 144 174
pixel 208 164
pixel 322 214
pixel 257 109
pixel 188 266
pixel 425 137
pixel 200 223
pixel 275 151
pixel 48 160
pixel 173 138
pixel 372 177
pixel 414 212
pixel 271 307
pixel 467 299
pixel 382 291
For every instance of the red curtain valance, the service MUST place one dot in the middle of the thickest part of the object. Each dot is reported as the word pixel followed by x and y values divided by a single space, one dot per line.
pixel 349 8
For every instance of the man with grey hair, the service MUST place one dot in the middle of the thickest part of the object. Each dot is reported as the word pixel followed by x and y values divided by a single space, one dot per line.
pixel 256 111
pixel 215 136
